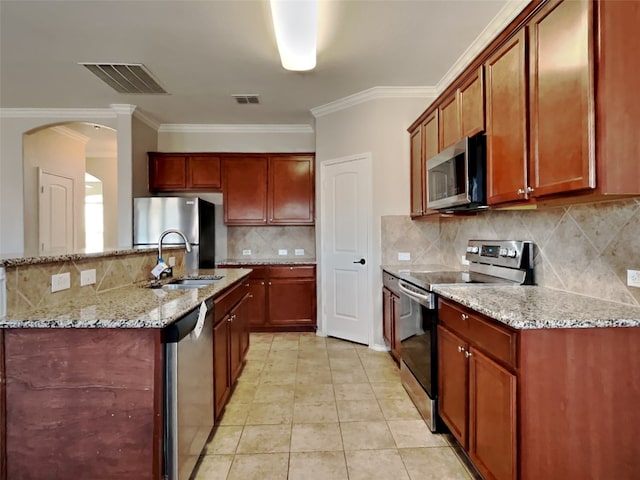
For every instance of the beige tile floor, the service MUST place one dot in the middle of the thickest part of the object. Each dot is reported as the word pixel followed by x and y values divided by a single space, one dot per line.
pixel 308 407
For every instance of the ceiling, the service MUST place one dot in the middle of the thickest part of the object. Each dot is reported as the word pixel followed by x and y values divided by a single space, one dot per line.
pixel 202 52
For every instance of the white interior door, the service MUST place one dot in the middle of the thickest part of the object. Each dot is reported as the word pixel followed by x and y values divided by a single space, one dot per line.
pixel 346 223
pixel 55 213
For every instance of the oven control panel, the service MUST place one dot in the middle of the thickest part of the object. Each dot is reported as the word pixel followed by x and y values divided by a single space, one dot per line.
pixel 505 253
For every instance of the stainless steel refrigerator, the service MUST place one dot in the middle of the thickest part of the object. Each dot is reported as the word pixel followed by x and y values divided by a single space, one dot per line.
pixel 193 216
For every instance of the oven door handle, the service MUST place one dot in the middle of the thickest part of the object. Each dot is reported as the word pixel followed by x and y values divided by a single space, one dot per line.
pixel 410 293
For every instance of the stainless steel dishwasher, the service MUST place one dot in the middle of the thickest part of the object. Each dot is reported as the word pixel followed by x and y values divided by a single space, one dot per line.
pixel 188 399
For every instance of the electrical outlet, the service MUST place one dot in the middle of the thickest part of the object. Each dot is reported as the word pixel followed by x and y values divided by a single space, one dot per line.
pixel 463 260
pixel 299 251
pixel 282 251
pixel 62 281
pixel 633 278
pixel 404 256
pixel 87 277
pixel 172 261
pixel 246 251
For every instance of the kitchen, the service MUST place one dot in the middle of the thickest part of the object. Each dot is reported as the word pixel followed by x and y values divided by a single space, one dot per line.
pixel 594 255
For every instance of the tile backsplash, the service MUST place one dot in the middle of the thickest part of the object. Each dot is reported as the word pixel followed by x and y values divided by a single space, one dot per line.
pixel 584 249
pixel 265 241
pixel 29 285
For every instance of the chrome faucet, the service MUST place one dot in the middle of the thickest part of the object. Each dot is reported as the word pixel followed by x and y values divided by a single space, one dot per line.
pixel 187 246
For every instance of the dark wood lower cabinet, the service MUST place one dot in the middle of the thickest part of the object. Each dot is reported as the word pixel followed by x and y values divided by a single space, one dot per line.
pixel 281 298
pixel 553 404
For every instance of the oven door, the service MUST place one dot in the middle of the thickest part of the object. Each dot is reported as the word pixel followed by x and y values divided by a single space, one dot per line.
pixel 418 335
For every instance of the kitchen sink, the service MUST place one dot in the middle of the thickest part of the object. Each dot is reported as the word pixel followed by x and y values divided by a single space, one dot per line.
pixel 181 286
pixel 196 281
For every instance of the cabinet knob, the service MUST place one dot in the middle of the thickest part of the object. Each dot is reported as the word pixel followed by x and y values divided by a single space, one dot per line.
pixel 464 316
pixel 460 349
pixel 290 268
pixel 530 189
pixel 467 354
pixel 520 191
pixel 229 320
pixel 261 283
pixel 269 283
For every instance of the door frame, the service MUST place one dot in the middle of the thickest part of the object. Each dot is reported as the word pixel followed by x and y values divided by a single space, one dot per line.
pixel 322 267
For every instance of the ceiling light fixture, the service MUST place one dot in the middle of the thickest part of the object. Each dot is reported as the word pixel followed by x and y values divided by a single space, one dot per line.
pixel 296 26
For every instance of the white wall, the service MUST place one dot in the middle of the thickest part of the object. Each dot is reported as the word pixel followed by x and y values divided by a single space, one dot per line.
pixel 56 153
pixel 13 124
pixel 106 169
pixel 233 141
pixel 145 139
pixel 377 127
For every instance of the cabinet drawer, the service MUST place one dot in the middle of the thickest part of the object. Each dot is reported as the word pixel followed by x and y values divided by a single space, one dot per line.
pixel 292 272
pixel 494 339
pixel 223 304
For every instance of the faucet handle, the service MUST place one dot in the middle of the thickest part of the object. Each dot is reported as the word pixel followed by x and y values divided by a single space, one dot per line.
pixel 159 268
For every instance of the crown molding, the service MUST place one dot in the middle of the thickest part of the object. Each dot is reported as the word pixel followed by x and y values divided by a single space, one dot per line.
pixel 72 134
pixel 374 93
pixel 507 13
pixel 77 114
pixel 146 119
pixel 123 108
pixel 231 128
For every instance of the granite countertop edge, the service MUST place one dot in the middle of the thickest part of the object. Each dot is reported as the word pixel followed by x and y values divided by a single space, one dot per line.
pixel 535 307
pixel 269 261
pixel 131 306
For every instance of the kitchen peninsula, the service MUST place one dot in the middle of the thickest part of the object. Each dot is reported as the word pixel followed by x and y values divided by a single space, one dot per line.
pixel 83 380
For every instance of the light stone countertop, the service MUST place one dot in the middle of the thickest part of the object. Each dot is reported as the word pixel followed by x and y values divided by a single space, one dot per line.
pixel 534 307
pixel 269 261
pixel 127 307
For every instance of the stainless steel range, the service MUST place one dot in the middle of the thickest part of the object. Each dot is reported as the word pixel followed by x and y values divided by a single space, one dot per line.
pixel 491 261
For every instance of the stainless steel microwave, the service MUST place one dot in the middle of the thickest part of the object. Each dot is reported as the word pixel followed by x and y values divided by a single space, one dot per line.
pixel 456 177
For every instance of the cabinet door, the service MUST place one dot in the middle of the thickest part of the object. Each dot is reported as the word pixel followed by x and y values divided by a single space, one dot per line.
pixel 450 131
pixel 492 418
pixel 167 172
pixel 452 383
pixel 245 190
pixel 292 301
pixel 256 303
pixel 472 104
pixel 430 136
pixel 562 97
pixel 221 377
pixel 203 172
pixel 291 190
pixel 387 316
pixel 507 122
pixel 417 174
pixel 237 326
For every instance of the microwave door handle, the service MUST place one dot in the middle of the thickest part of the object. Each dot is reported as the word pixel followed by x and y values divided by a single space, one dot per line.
pixel 411 293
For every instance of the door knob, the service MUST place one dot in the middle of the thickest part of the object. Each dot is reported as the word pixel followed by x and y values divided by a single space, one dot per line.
pixel 362 261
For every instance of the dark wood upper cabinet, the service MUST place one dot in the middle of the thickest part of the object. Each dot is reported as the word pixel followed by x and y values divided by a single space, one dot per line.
pixel 506 102
pixel 561 98
pixel 244 186
pixel 265 189
pixel 174 172
pixel 472 104
pixel 291 190
pixel 449 117
pixel 417 174
pixel 204 172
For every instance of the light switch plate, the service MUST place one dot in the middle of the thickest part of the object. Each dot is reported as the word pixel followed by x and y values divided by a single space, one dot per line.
pixel 87 277
pixel 633 278
pixel 62 281
pixel 404 256
pixel 463 260
pixel 246 251
pixel 299 251
pixel 282 251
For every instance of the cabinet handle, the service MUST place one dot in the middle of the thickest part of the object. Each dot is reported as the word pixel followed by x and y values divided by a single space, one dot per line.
pixel 530 189
pixel 520 191
pixel 460 349
pixel 269 283
pixel 229 320
pixel 464 316
pixel 261 283
pixel 467 354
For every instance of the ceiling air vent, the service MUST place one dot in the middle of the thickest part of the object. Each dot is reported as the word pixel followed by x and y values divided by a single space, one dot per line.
pixel 125 77
pixel 245 99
